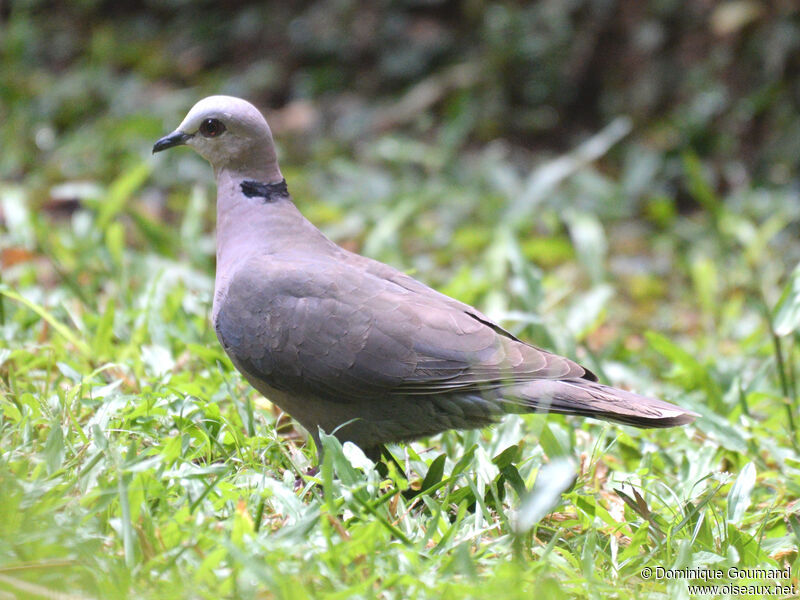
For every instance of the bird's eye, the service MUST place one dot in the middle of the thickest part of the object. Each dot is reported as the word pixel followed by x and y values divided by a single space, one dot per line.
pixel 211 128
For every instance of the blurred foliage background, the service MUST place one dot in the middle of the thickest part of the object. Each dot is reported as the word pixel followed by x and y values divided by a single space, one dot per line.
pixel 718 79
pixel 371 101
pixel 616 180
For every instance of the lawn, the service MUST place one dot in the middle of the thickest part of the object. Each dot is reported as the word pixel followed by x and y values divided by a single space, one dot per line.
pixel 135 462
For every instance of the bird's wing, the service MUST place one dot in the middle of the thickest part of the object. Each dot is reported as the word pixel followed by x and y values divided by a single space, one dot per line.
pixel 346 331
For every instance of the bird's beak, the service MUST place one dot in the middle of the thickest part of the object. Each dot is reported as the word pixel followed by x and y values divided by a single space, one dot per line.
pixel 176 138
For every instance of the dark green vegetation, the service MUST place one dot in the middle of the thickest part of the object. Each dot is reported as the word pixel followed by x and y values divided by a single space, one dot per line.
pixel 134 462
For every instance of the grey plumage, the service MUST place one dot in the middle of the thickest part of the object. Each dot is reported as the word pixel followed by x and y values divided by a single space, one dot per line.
pixel 346 343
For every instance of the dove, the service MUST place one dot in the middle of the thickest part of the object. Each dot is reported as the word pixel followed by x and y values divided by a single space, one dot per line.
pixel 354 347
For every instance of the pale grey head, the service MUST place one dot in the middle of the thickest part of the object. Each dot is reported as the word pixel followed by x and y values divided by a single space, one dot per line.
pixel 231 134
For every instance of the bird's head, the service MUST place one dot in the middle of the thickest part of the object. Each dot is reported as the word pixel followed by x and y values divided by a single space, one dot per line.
pixel 231 134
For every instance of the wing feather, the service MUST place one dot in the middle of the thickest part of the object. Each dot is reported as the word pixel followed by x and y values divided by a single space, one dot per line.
pixel 348 333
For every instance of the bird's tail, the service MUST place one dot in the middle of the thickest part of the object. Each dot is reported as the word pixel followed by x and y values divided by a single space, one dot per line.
pixel 592 399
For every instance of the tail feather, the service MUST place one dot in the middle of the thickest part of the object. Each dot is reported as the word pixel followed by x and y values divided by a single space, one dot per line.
pixel 591 399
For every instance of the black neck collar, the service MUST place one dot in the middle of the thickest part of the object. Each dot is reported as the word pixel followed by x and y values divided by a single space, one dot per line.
pixel 270 192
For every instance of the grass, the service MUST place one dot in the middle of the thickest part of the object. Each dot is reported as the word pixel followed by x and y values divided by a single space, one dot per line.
pixel 136 463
